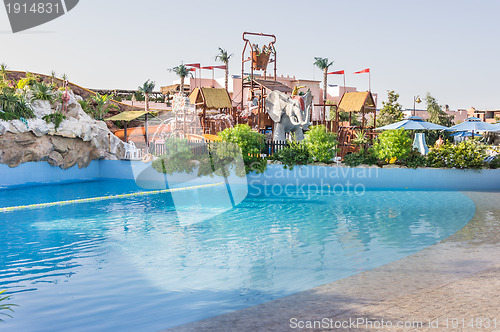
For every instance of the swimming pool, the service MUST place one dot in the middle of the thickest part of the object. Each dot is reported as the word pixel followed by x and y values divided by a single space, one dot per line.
pixel 128 264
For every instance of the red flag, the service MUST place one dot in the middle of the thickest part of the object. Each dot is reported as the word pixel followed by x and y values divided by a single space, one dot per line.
pixel 195 65
pixel 367 70
pixel 209 67
pixel 336 72
pixel 192 69
pixel 220 67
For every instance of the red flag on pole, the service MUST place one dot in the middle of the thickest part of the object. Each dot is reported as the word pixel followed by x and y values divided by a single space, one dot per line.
pixel 195 65
pixel 208 67
pixel 192 69
pixel 340 72
pixel 367 70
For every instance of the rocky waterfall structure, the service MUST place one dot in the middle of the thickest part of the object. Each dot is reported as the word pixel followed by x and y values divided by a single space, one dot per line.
pixel 78 140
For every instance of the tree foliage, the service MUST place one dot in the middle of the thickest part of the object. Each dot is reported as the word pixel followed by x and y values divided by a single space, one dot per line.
pixel 147 87
pixel 224 57
pixel 183 72
pixel 391 110
pixel 436 113
pixel 323 64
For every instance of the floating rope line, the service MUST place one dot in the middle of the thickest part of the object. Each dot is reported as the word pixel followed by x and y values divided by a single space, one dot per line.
pixel 103 198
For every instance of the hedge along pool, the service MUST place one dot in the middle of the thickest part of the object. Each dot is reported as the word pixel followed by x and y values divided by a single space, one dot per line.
pixel 129 264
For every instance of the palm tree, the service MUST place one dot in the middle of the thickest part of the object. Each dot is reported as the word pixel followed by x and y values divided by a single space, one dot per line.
pixel 183 72
pixel 52 77
pixel 3 71
pixel 323 64
pixel 146 89
pixel 223 56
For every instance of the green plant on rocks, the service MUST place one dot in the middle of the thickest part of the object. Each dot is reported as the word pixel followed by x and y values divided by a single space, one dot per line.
pixel 42 91
pixel 28 81
pixel 55 118
pixel 13 106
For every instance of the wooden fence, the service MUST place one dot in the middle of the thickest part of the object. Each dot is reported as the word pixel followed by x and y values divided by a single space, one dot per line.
pixel 200 147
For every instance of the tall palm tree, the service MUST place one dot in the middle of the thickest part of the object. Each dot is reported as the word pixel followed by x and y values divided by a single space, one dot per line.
pixel 3 71
pixel 183 72
pixel 223 56
pixel 146 89
pixel 323 64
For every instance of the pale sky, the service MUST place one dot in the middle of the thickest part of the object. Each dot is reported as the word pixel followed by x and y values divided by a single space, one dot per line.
pixel 448 48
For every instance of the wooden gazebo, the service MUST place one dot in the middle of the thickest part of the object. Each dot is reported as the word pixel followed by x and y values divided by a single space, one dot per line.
pixel 353 102
pixel 211 99
pixel 357 102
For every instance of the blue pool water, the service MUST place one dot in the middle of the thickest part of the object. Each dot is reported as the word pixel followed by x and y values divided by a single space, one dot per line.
pixel 128 264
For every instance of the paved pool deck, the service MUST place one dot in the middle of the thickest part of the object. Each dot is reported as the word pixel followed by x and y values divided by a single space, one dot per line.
pixel 453 285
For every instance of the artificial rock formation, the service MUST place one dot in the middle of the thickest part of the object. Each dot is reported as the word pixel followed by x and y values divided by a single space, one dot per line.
pixel 78 140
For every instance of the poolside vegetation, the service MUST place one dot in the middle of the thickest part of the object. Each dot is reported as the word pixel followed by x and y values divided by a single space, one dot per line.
pixel 296 153
pixel 251 144
pixel 319 146
pixel 216 158
pixel 5 306
pixel 393 145
pixel 466 154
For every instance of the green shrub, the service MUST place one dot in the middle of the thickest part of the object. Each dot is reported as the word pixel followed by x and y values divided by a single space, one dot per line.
pixel 393 145
pixel 495 163
pixel 415 159
pixel 219 158
pixel 467 154
pixel 296 153
pixel 363 157
pixel 251 144
pixel 178 157
pixel 321 144
pixel 55 118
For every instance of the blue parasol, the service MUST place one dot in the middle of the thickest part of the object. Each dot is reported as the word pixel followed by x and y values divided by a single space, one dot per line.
pixel 413 123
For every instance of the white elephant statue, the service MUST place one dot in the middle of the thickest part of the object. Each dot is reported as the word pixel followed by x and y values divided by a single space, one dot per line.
pixel 291 114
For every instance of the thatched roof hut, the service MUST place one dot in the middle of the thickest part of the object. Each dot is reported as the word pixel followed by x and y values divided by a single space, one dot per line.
pixel 355 102
pixel 210 98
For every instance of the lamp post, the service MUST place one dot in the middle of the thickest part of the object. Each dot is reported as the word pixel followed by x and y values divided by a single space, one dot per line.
pixel 415 100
